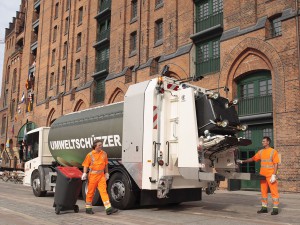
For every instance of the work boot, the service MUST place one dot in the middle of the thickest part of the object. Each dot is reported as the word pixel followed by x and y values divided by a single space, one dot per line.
pixel 263 210
pixel 275 211
pixel 111 210
pixel 89 211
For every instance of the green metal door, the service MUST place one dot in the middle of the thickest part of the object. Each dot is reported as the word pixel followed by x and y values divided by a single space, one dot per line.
pixel 254 133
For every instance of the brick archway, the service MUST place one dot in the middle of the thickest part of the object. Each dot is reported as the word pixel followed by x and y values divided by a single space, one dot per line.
pixel 117 96
pixel 115 90
pixel 253 47
pixel 50 119
pixel 80 105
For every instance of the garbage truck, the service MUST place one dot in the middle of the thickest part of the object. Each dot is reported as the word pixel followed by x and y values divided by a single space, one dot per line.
pixel 166 143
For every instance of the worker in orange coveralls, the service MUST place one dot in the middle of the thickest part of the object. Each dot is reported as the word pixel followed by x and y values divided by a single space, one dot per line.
pixel 97 162
pixel 269 165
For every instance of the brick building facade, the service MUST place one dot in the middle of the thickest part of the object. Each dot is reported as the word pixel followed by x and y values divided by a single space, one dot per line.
pixel 67 55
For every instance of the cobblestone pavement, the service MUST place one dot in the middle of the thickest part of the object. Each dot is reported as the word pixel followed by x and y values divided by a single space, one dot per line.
pixel 18 206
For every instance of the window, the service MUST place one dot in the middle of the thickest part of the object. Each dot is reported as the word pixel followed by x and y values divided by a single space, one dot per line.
pixel 3 125
pixel 133 9
pixel 102 59
pixel 275 27
pixel 51 82
pixel 265 87
pixel 77 68
pixel 78 47
pixel 207 57
pixel 255 94
pixel 63 75
pixel 154 66
pixel 209 13
pixel 99 93
pixel 66 25
pixel 13 108
pixel 56 10
pixel 5 98
pixel 133 42
pixel 53 57
pixel 65 50
pixel 68 5
pixel 7 74
pixel 104 4
pixel 14 81
pixel 159 2
pixel 80 15
pixel 54 33
pixel 158 30
pixel 103 30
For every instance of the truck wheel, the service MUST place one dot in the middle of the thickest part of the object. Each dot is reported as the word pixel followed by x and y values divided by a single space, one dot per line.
pixel 96 200
pixel 120 193
pixel 36 186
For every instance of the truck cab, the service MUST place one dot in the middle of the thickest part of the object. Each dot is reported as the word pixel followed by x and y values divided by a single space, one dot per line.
pixel 39 157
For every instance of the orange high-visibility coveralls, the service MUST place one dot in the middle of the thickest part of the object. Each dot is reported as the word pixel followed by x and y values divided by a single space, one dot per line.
pixel 97 163
pixel 268 158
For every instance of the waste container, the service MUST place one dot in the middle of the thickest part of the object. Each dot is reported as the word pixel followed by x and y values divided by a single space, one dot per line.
pixel 68 186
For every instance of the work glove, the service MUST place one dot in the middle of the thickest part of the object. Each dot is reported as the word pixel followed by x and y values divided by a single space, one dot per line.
pixel 84 176
pixel 238 161
pixel 273 178
pixel 106 176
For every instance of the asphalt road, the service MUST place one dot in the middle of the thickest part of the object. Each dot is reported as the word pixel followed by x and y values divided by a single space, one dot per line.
pixel 18 206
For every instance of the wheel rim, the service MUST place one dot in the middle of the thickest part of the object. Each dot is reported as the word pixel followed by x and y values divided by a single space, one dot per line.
pixel 118 191
pixel 36 184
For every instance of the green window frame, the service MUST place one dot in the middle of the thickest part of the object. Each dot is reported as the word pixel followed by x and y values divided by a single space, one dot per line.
pixel 208 57
pixel 99 94
pixel 255 94
pixel 208 14
pixel 102 59
pixel 103 30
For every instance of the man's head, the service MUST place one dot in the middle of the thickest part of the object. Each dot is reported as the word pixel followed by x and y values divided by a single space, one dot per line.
pixel 266 141
pixel 97 145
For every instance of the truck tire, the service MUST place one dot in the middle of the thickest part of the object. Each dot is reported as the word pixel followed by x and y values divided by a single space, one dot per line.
pixel 119 191
pixel 96 200
pixel 36 185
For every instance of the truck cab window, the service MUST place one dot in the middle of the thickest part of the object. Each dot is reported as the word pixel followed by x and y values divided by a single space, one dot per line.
pixel 33 146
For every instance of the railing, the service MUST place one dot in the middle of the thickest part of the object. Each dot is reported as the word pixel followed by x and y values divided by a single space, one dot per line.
pixel 103 34
pixel 208 66
pixel 104 4
pixel 255 105
pixel 101 65
pixel 209 21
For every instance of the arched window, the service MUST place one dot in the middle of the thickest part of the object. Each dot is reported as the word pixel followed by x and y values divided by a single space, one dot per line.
pixel 7 75
pixel 13 108
pixel 3 127
pixel 14 80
